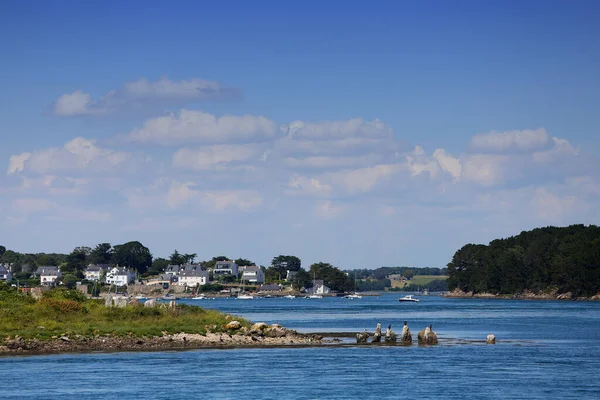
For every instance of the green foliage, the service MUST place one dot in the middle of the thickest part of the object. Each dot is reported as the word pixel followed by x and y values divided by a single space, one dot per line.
pixel 177 258
pixel 332 277
pixel 65 294
pixel 64 312
pixel 70 281
pixel 133 255
pixel 102 254
pixel 159 265
pixel 567 259
pixel 408 274
pixel 242 262
pixel 2 251
pixel 302 280
pixel 211 287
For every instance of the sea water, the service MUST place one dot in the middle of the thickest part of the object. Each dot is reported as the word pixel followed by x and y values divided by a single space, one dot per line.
pixel 544 350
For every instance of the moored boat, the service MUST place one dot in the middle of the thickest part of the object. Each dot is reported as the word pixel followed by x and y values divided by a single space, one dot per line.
pixel 409 298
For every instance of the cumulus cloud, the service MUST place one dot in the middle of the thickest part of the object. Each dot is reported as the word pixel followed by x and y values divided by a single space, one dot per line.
pixel 176 195
pixel 510 140
pixel 142 95
pixel 484 169
pixel 77 154
pixel 336 129
pixel 209 156
pixel 312 186
pixel 562 148
pixel 196 126
pixel 553 208
pixel 328 210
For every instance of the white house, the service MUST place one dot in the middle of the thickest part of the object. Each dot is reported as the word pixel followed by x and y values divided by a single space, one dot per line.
pixel 225 268
pixel 5 274
pixel 120 276
pixel 48 275
pixel 94 272
pixel 319 287
pixel 252 274
pixel 193 277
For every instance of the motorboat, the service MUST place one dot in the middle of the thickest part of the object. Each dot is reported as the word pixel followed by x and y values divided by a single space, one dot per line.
pixel 289 296
pixel 353 296
pixel 201 297
pixel 314 296
pixel 408 297
pixel 243 296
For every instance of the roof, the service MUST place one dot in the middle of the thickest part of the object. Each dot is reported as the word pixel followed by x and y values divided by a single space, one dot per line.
pixel 193 272
pixel 270 287
pixel 3 270
pixel 251 268
pixel 97 267
pixel 228 262
pixel 46 270
pixel 121 271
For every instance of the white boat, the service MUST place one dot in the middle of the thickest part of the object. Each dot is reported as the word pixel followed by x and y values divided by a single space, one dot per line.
pixel 353 296
pixel 408 297
pixel 201 297
pixel 314 296
pixel 289 296
pixel 244 297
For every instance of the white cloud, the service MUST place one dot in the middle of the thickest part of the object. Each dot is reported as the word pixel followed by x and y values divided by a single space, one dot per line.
pixel 484 169
pixel 29 205
pixel 75 103
pixel 418 163
pixel 16 163
pixel 140 95
pixel 198 126
pixel 510 140
pixel 208 156
pixel 554 208
pixel 332 162
pixel 312 186
pixel 363 180
pixel 77 154
pixel 177 195
pixel 562 148
pixel 327 210
pixel 336 129
pixel 448 163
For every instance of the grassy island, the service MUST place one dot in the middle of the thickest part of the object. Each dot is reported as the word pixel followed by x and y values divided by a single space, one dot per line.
pixel 66 320
pixel 63 312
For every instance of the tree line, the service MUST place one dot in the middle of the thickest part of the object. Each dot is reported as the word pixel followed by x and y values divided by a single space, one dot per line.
pixel 566 259
pixel 138 257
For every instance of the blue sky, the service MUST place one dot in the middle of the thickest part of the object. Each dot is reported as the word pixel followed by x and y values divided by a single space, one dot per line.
pixel 357 133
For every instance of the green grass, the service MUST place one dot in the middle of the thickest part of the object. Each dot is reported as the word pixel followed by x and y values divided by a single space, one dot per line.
pixel 425 279
pixel 63 312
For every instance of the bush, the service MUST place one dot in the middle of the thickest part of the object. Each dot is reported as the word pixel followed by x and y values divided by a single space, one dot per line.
pixel 64 306
pixel 66 294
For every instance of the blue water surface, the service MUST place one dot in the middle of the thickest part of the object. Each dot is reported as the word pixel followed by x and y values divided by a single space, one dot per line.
pixel 545 350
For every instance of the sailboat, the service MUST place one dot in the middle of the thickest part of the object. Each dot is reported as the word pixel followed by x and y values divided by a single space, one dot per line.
pixel 353 295
pixel 314 295
pixel 242 295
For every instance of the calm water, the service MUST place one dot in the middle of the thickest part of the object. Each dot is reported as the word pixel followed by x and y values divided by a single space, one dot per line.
pixel 545 349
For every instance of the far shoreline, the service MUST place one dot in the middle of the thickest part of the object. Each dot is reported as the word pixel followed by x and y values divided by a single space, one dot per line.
pixel 526 295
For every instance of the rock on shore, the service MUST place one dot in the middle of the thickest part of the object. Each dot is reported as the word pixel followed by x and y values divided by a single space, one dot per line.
pixel 267 336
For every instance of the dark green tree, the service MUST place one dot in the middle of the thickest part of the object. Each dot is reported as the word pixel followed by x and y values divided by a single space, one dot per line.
pixel 242 262
pixel 133 255
pixel 332 277
pixel 70 281
pixel 177 258
pixel 159 265
pixel 2 251
pixel 102 254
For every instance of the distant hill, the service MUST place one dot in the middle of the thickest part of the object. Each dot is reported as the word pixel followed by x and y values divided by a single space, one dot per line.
pixel 566 259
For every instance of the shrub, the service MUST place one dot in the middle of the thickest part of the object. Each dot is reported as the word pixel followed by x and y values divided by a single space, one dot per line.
pixel 61 305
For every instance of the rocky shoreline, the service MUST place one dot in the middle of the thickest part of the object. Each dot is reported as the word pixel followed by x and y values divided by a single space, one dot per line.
pixel 259 335
pixel 526 295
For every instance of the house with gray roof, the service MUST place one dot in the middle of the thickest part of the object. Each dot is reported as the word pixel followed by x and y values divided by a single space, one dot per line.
pixel 95 272
pixel 193 277
pixel 5 274
pixel 227 267
pixel 253 274
pixel 49 275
